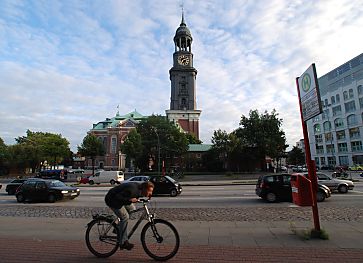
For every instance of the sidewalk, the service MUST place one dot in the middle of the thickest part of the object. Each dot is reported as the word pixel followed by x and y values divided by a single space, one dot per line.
pixel 62 240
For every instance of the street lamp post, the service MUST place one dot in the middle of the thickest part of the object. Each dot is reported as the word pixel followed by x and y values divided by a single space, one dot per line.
pixel 157 135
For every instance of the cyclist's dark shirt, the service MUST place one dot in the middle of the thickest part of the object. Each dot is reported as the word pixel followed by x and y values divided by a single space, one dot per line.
pixel 120 195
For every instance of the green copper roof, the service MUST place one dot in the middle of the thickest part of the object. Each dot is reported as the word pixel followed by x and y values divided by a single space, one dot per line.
pixel 113 122
pixel 199 147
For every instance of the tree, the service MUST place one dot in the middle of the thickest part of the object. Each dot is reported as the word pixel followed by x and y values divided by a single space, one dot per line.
pixel 132 146
pixel 192 139
pixel 296 156
pixel 263 133
pixel 4 157
pixel 160 134
pixel 36 147
pixel 91 147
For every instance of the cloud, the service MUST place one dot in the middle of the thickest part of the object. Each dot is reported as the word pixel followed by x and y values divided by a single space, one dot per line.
pixel 67 65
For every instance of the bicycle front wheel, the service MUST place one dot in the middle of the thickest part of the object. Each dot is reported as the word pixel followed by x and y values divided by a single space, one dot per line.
pixel 160 240
pixel 101 238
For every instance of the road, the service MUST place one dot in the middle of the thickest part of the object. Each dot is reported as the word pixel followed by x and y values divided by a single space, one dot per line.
pixel 233 196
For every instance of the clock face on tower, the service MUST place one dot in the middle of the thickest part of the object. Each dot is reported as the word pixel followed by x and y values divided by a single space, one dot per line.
pixel 183 60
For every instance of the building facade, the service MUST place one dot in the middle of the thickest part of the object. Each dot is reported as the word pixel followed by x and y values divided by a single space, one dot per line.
pixel 112 132
pixel 336 135
pixel 183 106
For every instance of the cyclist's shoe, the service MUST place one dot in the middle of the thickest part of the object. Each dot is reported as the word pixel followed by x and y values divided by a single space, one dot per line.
pixel 127 245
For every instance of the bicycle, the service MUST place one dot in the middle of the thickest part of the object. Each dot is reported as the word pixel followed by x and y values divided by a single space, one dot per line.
pixel 159 238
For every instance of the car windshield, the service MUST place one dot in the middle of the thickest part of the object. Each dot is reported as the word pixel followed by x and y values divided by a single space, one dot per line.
pixel 57 184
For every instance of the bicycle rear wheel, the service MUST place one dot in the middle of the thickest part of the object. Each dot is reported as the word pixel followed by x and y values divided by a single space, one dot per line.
pixel 101 238
pixel 160 240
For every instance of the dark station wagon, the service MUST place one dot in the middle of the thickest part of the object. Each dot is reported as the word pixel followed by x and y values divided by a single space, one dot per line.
pixel 13 185
pixel 45 190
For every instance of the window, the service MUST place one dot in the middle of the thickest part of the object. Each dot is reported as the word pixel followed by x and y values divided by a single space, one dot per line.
pixel 327 126
pixel 319 149
pixel 356 146
pixel 349 106
pixel 351 95
pixel 113 144
pixel 332 100
pixel 340 135
pixel 325 114
pixel 345 95
pixel 328 137
pixel 338 123
pixel 343 160
pixel 337 110
pixel 317 128
pixel 317 160
pixel 322 160
pixel 354 133
pixel 337 98
pixel 361 103
pixel 316 119
pixel 352 120
pixel 331 160
pixel 360 90
pixel 330 148
pixel 326 103
pixel 319 138
pixel 342 147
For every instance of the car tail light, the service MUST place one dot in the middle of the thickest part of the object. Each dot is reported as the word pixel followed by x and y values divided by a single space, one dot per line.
pixel 263 185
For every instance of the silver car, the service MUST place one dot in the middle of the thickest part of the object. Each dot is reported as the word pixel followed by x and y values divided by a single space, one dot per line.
pixel 334 184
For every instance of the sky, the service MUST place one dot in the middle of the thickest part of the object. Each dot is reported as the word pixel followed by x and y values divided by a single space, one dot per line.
pixel 65 65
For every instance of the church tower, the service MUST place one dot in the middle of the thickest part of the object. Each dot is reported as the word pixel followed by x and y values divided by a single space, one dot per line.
pixel 183 105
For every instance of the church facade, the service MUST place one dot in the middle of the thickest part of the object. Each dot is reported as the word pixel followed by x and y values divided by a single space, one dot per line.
pixel 183 108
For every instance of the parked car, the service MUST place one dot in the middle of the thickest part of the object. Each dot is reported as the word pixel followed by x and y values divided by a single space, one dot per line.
pixel 137 179
pixel 84 180
pixel 57 174
pixel 277 187
pixel 13 185
pixel 356 167
pixel 45 190
pixel 334 184
pixel 111 177
pixel 76 171
pixel 165 185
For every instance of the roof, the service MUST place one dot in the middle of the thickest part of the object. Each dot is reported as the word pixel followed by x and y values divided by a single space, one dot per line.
pixel 199 147
pixel 114 122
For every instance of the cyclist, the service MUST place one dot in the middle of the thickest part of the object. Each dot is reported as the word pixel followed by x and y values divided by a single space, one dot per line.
pixel 120 200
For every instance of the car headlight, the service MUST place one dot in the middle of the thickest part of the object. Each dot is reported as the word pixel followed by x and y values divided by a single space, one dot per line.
pixel 77 190
pixel 64 192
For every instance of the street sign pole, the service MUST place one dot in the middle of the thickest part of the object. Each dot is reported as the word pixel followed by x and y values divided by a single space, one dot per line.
pixel 310 106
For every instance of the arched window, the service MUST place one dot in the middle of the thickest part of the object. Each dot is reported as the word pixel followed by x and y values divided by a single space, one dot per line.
pixel 317 128
pixel 351 95
pixel 352 120
pixel 337 98
pixel 338 123
pixel 345 95
pixel 332 100
pixel 360 90
pixel 113 143
pixel 327 126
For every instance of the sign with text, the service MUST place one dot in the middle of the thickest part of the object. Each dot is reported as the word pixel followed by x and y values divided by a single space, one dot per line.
pixel 309 94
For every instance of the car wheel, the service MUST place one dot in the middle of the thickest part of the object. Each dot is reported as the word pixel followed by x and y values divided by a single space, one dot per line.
pixel 342 189
pixel 173 192
pixel 91 182
pixel 112 182
pixel 20 198
pixel 320 196
pixel 51 198
pixel 271 197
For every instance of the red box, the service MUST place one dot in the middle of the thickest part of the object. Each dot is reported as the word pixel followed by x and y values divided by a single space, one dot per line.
pixel 301 190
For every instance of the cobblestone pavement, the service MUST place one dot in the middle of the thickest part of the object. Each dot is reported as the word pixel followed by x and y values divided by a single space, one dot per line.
pixel 261 214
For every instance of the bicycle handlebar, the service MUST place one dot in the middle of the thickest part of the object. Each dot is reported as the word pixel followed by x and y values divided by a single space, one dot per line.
pixel 143 200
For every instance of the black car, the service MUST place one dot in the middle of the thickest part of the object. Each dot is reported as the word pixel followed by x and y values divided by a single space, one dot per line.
pixel 165 185
pixel 277 187
pixel 45 190
pixel 13 185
